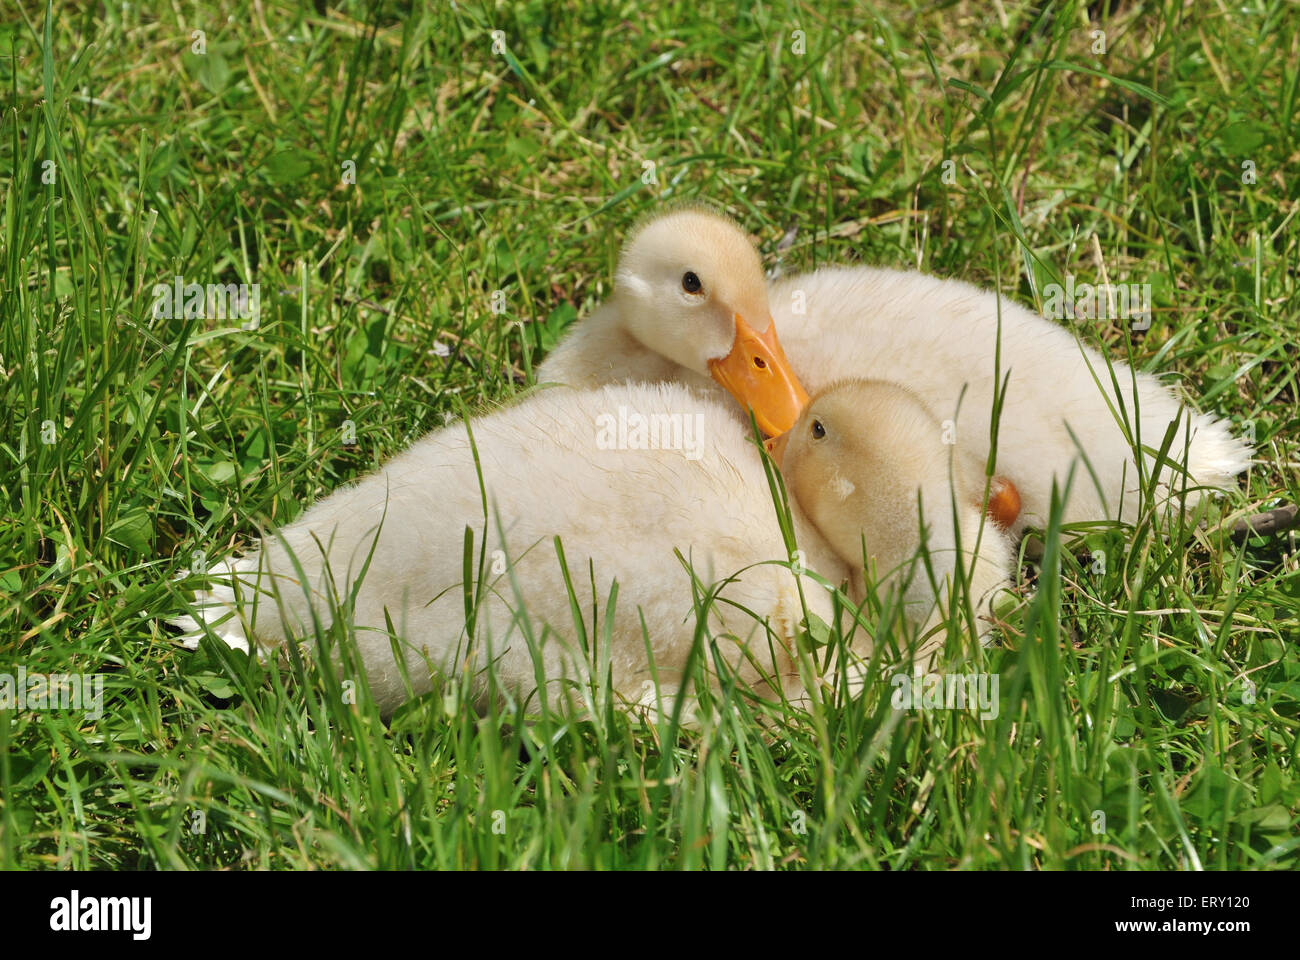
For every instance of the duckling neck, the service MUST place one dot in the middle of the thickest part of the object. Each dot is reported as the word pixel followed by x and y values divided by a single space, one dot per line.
pixel 818 555
pixel 600 350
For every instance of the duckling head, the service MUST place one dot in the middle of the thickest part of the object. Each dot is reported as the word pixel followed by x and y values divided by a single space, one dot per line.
pixel 855 461
pixel 860 452
pixel 690 287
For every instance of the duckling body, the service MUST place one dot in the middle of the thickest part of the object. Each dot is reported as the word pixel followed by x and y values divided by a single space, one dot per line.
pixel 624 475
pixel 937 337
pixel 572 464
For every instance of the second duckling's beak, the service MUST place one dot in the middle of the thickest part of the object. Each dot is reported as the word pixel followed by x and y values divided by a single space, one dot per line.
pixel 757 374
pixel 1004 502
pixel 776 448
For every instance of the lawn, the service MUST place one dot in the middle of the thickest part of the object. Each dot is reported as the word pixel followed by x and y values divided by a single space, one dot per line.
pixel 425 197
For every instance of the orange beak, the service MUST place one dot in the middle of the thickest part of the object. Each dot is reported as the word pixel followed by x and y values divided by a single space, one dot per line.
pixel 758 375
pixel 776 448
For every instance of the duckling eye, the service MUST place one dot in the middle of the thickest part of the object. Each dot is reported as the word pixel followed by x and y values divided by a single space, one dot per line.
pixel 690 282
pixel 818 431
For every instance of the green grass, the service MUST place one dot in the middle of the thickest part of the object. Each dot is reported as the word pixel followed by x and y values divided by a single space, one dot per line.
pixel 133 447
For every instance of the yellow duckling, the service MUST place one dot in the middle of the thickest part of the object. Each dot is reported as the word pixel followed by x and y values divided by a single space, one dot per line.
pixel 870 466
pixel 625 476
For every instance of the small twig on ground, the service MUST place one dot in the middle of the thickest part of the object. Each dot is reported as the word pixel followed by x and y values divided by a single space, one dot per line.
pixel 1277 520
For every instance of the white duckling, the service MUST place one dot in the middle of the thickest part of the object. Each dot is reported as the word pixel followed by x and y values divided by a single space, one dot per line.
pixel 938 337
pixel 624 475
